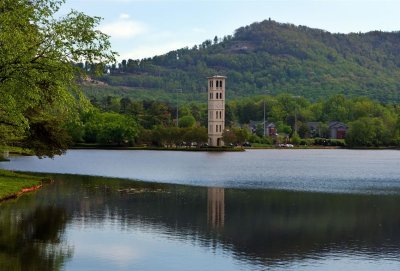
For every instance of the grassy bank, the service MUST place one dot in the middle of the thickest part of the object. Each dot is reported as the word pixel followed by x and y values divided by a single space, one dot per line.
pixel 12 184
pixel 16 150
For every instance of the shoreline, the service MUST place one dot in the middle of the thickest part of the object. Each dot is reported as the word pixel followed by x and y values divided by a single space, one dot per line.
pixel 14 184
pixel 206 149
pixel 227 149
pixel 21 192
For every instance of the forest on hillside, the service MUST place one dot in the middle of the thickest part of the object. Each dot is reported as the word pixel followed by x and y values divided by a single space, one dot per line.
pixel 265 57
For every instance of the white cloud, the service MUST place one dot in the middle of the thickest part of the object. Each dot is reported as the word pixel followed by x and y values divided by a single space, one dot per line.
pixel 123 28
pixel 124 16
pixel 150 51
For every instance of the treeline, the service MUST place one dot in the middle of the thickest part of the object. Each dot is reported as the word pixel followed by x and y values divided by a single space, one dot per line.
pixel 116 129
pixel 122 121
pixel 281 58
pixel 38 83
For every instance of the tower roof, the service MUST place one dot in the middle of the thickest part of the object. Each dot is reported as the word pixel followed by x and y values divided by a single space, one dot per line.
pixel 217 77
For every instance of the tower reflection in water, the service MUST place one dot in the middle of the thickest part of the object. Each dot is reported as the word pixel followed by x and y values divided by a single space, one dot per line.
pixel 216 207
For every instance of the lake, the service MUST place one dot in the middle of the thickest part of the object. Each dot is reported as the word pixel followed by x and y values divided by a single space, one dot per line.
pixel 256 210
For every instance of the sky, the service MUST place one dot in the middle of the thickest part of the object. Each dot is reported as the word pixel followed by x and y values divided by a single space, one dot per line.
pixel 145 28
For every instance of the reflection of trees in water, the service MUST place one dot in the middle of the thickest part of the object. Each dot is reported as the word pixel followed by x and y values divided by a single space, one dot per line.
pixel 268 226
pixel 277 226
pixel 216 207
pixel 31 236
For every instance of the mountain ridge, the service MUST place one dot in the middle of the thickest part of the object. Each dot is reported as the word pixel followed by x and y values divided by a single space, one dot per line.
pixel 269 57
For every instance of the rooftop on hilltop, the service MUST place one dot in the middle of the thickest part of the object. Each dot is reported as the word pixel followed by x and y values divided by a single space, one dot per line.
pixel 217 76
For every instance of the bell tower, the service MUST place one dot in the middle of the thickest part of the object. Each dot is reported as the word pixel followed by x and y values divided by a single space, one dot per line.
pixel 216 110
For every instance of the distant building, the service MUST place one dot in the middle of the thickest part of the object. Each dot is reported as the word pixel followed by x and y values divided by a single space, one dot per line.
pixel 337 130
pixel 314 129
pixel 253 126
pixel 216 110
pixel 270 128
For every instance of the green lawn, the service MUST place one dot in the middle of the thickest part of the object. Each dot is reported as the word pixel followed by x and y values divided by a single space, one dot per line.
pixel 12 183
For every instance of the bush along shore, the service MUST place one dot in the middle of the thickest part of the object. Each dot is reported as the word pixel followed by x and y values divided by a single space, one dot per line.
pixel 14 184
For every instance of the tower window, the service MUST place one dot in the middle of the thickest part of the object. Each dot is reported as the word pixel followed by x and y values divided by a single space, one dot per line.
pixel 220 114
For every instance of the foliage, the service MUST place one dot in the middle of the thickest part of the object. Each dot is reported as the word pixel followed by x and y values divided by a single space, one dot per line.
pixel 109 128
pixel 254 138
pixel 174 136
pixel 368 132
pixel 295 139
pixel 328 142
pixel 155 121
pixel 235 136
pixel 187 122
pixel 269 56
pixel 46 136
pixel 196 134
pixel 37 79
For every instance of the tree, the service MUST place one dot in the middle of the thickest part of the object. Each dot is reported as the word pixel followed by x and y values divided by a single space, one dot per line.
pixel 229 137
pixel 37 78
pixel 304 131
pixel 260 130
pixel 125 104
pixel 110 128
pixel 76 130
pixel 241 134
pixel 368 132
pixel 360 133
pixel 283 128
pixel 295 139
pixel 124 65
pixel 157 114
pixel 215 40
pixel 196 134
pixel 187 122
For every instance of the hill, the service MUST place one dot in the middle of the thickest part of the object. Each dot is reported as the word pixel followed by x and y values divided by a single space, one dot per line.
pixel 279 58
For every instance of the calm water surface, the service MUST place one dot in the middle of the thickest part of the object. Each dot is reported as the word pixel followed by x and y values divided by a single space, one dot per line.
pixel 346 171
pixel 95 223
